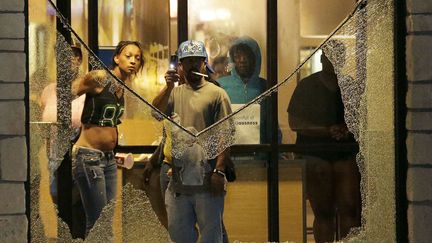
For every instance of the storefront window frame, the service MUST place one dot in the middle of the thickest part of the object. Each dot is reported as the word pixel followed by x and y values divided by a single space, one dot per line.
pixel 274 148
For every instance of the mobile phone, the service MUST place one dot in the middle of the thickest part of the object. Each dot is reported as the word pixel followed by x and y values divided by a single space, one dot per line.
pixel 173 62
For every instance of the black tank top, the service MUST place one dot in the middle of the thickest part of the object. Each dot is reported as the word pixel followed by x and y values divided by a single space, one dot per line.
pixel 103 109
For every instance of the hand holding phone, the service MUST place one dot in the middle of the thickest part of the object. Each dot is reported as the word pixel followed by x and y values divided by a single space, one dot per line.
pixel 173 62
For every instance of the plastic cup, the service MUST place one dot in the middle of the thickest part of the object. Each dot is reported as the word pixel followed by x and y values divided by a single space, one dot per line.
pixel 125 160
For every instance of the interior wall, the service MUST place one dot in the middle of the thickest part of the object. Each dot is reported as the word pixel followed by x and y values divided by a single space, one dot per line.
pixel 321 17
pixel 288 59
pixel 152 31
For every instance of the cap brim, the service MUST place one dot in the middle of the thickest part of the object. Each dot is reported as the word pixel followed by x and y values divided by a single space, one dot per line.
pixel 209 68
pixel 184 55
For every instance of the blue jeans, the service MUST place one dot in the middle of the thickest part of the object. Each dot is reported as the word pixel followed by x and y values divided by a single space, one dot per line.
pixel 184 211
pixel 95 173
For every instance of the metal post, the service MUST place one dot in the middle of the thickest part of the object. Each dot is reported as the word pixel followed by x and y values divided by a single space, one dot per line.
pixel 401 83
pixel 93 27
pixel 272 129
pixel 182 21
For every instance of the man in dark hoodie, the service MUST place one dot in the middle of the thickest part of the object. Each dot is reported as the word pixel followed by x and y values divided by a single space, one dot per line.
pixel 244 83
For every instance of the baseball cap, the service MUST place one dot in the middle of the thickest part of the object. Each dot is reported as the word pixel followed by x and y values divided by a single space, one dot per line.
pixel 194 48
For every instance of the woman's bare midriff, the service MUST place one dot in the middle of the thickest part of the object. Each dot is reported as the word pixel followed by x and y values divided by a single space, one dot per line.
pixel 102 138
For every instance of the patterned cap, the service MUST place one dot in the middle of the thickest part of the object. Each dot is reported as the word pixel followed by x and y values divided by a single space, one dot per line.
pixel 192 48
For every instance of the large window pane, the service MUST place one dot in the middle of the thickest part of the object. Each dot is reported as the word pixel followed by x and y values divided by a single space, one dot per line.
pixel 50 65
pixel 302 26
pixel 220 25
pixel 328 154
pixel 369 58
pixel 147 22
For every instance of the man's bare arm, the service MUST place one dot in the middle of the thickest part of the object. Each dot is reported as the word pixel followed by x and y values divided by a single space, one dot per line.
pixel 218 180
pixel 161 100
pixel 221 158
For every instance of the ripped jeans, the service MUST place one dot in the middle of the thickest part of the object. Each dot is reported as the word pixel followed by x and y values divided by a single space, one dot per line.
pixel 95 173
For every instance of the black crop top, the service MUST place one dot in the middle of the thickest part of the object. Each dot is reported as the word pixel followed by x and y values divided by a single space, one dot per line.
pixel 103 109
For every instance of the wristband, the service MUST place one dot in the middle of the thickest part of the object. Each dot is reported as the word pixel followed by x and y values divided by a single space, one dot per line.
pixel 219 172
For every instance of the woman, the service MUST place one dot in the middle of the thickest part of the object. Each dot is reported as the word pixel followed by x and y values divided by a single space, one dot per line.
pixel 93 164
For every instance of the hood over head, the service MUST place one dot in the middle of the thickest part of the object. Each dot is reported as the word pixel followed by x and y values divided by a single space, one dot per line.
pixel 253 45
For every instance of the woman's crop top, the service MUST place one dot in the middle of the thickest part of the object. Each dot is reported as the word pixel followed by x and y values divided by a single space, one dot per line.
pixel 103 109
